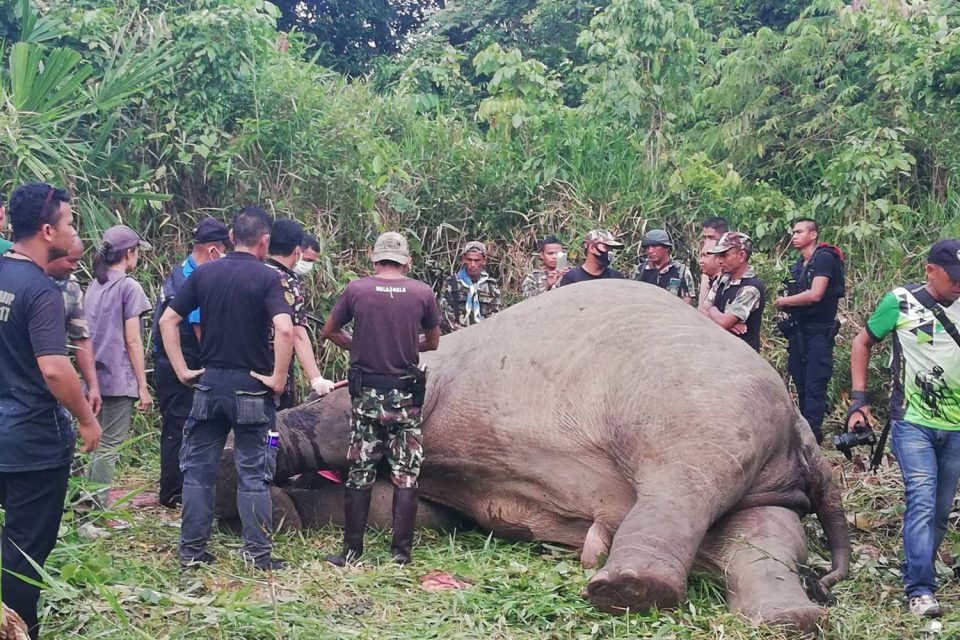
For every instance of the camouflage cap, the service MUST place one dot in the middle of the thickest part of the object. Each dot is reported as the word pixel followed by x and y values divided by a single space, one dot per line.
pixel 602 236
pixel 732 240
pixel 474 245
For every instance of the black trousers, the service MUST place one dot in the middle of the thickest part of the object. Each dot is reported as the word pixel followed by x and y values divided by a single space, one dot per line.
pixel 810 363
pixel 33 505
pixel 174 401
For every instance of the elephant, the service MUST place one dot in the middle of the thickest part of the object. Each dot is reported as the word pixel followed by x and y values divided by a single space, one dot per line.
pixel 612 418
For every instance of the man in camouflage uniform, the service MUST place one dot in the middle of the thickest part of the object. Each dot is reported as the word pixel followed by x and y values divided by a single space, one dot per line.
pixel 548 276
pixel 470 295
pixel 78 331
pixel 285 251
pixel 388 311
pixel 662 270
pixel 740 295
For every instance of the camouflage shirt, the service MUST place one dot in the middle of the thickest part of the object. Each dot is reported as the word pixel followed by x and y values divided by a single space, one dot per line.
pixel 675 278
pixel 77 327
pixel 536 283
pixel 453 302
pixel 744 298
pixel 292 292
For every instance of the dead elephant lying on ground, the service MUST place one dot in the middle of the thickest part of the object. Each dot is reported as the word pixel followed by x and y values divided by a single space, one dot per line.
pixel 610 417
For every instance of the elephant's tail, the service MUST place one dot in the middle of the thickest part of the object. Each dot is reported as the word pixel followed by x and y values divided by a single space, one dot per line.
pixel 826 502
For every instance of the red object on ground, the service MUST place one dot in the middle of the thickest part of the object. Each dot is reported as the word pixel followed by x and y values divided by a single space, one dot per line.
pixel 438 580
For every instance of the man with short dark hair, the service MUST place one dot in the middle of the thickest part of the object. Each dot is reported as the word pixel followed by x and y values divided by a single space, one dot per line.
pixel 240 300
pixel 311 252
pixel 78 330
pixel 740 296
pixel 547 276
pixel 597 245
pixel 36 378
pixel 388 311
pixel 470 295
pixel 924 409
pixel 661 269
pixel 813 293
pixel 285 254
pixel 210 241
pixel 714 227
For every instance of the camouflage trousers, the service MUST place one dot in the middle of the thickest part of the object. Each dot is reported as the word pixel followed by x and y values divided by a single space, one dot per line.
pixel 384 422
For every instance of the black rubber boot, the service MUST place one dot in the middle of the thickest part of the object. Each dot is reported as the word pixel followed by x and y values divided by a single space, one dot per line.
pixel 404 519
pixel 356 507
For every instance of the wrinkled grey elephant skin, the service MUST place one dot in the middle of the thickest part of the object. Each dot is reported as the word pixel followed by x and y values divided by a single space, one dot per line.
pixel 610 417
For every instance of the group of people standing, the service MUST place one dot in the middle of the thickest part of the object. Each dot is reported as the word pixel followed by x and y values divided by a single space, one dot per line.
pixel 232 316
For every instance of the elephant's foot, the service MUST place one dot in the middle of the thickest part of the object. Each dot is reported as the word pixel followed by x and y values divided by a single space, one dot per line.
pixel 618 590
pixel 760 551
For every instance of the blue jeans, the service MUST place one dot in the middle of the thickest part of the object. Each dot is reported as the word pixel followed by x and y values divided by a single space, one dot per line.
pixel 225 400
pixel 930 464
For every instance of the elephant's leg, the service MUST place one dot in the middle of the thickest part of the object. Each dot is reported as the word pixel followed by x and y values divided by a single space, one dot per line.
pixel 652 552
pixel 759 552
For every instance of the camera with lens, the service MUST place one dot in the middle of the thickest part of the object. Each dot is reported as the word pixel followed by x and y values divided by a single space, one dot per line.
pixel 861 435
pixel 786 323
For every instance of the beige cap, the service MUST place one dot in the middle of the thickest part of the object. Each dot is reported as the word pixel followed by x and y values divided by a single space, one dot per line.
pixel 391 246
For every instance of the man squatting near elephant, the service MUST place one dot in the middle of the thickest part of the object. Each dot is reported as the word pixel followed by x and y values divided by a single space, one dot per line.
pixel 924 408
pixel 37 384
pixel 547 276
pixel 597 245
pixel 211 239
pixel 740 295
pixel 240 301
pixel 469 295
pixel 387 388
pixel 286 252
pixel 810 300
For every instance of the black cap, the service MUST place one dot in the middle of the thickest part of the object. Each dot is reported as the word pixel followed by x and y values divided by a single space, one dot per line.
pixel 211 230
pixel 946 254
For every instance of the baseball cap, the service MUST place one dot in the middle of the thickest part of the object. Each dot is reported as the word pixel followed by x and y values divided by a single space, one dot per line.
pixel 121 238
pixel 210 230
pixel 656 237
pixel 602 235
pixel 732 240
pixel 946 254
pixel 391 246
pixel 474 245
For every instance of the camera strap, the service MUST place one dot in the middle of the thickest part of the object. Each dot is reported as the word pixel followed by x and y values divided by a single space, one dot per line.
pixel 951 330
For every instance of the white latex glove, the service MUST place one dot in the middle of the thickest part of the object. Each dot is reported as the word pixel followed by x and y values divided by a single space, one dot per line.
pixel 321 386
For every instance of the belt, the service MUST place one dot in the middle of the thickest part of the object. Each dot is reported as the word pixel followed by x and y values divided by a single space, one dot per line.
pixel 386 381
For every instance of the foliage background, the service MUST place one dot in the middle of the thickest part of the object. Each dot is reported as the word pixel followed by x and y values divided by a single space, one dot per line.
pixel 492 119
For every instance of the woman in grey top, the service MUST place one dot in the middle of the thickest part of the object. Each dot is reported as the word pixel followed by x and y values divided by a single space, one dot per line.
pixel 114 304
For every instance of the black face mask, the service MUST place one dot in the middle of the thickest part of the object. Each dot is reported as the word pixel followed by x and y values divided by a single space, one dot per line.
pixel 603 258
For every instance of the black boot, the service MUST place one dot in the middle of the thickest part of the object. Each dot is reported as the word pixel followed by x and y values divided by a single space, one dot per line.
pixel 404 518
pixel 356 507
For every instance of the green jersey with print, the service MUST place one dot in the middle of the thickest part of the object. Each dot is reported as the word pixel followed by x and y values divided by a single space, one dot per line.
pixel 926 360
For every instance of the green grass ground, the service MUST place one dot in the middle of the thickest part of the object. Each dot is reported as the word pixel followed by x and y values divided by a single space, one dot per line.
pixel 130 585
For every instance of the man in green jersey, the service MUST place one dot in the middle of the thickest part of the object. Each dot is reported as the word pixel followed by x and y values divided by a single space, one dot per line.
pixel 924 408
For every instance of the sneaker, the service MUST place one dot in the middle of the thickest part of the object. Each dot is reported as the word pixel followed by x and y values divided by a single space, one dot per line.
pixel 271 565
pixel 925 606
pixel 189 563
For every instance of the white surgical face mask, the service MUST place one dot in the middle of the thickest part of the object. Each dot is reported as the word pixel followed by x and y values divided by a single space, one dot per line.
pixel 303 267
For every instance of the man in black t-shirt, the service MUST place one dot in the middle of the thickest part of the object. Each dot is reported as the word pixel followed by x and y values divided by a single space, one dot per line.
pixel 596 266
pixel 814 291
pixel 36 378
pixel 240 300
pixel 388 311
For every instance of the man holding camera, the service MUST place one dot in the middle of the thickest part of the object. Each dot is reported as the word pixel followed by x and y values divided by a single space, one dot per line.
pixel 924 409
pixel 548 276
pixel 809 300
